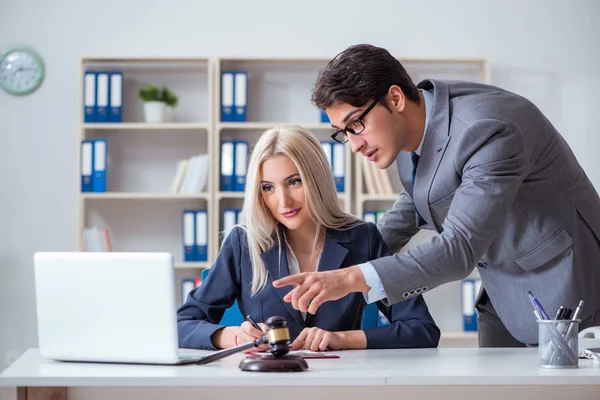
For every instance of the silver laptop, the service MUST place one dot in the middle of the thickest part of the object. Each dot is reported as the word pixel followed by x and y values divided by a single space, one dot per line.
pixel 107 307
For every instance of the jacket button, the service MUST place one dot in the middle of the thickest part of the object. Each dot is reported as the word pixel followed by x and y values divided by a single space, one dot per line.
pixel 482 264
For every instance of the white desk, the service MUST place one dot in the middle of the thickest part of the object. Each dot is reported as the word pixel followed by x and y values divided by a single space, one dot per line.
pixel 483 374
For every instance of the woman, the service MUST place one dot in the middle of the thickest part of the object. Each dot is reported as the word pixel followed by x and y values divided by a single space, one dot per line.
pixel 294 224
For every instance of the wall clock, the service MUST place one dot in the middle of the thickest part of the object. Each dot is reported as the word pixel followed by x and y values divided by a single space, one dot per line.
pixel 21 71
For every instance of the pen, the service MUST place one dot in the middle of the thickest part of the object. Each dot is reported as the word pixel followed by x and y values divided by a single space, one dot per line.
pixel 309 319
pixel 254 324
pixel 559 313
pixel 575 316
pixel 538 306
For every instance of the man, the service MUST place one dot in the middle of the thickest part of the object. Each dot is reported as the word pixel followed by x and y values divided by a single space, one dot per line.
pixel 485 169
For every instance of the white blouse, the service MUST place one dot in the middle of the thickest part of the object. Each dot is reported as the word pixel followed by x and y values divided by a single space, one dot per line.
pixel 294 265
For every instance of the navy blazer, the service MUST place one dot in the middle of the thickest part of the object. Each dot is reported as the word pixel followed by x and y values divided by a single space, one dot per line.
pixel 411 324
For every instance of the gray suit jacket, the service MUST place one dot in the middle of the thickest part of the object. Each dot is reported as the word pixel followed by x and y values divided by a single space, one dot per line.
pixel 507 195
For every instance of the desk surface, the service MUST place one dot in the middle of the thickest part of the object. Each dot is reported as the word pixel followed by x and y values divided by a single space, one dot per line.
pixel 444 366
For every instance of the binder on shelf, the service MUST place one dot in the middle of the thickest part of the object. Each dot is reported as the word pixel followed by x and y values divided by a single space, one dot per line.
pixel 230 219
pixel 87 165
pixel 240 96
pixel 241 161
pixel 370 316
pixel 324 117
pixel 227 92
pixel 115 107
pixel 468 305
pixel 339 166
pixel 201 245
pixel 327 148
pixel 102 97
pixel 227 160
pixel 194 175
pixel 187 285
pixel 89 97
pixel 96 239
pixel 99 157
pixel 189 235
pixel 370 216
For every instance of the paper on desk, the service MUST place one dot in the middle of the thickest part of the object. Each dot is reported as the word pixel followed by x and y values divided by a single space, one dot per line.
pixel 302 353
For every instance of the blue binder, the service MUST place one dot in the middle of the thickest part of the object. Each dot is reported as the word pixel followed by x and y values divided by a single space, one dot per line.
pixel 87 165
pixel 227 165
pixel 241 165
pixel 189 235
pixel 115 89
pixel 102 96
pixel 468 304
pixel 201 245
pixel 227 94
pixel 369 318
pixel 89 97
pixel 370 216
pixel 187 285
pixel 339 166
pixel 241 96
pixel 324 117
pixel 99 172
pixel 232 316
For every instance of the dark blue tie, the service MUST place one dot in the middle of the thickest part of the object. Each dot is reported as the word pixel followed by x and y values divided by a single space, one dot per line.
pixel 415 161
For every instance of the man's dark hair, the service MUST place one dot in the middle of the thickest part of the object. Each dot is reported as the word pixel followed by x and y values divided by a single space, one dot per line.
pixel 360 74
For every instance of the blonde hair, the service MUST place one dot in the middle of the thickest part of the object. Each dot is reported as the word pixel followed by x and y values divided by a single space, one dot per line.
pixel 305 151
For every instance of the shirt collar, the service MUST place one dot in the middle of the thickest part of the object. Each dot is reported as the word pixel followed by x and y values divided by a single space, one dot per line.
pixel 428 98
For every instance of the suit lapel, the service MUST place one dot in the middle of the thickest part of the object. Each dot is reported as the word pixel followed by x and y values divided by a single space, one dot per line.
pixel 277 266
pixel 434 146
pixel 332 258
pixel 333 252
pixel 404 166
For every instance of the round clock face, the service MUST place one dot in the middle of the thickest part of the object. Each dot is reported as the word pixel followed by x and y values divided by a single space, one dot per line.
pixel 21 71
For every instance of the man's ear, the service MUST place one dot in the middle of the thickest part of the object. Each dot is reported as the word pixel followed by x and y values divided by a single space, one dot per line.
pixel 396 98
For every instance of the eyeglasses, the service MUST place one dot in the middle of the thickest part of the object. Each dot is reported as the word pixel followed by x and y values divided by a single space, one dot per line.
pixel 355 127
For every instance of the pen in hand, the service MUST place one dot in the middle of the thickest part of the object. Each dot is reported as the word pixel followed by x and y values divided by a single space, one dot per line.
pixel 254 324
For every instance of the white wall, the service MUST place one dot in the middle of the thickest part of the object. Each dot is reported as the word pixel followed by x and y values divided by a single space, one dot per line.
pixel 546 50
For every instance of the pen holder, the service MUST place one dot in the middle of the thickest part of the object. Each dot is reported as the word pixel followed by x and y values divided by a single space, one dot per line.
pixel 558 344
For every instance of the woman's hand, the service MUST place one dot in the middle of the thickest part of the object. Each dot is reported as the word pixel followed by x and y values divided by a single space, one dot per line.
pixel 316 339
pixel 248 333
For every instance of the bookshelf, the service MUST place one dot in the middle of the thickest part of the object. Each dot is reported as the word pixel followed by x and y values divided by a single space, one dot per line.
pixel 138 208
pixel 278 93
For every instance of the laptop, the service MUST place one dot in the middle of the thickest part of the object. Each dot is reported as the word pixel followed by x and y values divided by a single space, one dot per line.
pixel 107 307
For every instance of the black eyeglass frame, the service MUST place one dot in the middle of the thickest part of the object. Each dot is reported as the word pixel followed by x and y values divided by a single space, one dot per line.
pixel 358 119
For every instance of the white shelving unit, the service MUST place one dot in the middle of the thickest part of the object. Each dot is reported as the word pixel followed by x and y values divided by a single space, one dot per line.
pixel 138 209
pixel 278 93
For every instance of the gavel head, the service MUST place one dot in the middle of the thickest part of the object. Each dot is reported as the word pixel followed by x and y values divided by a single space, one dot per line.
pixel 278 336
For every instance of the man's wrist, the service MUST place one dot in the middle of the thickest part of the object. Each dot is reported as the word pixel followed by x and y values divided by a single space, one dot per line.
pixel 355 280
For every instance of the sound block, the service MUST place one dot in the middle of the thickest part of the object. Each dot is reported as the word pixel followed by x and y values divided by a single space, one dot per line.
pixel 270 363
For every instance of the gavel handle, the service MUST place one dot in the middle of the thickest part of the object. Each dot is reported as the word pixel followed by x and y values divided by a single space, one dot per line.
pixel 232 350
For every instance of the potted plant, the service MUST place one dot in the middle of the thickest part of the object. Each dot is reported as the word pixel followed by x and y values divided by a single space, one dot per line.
pixel 156 99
